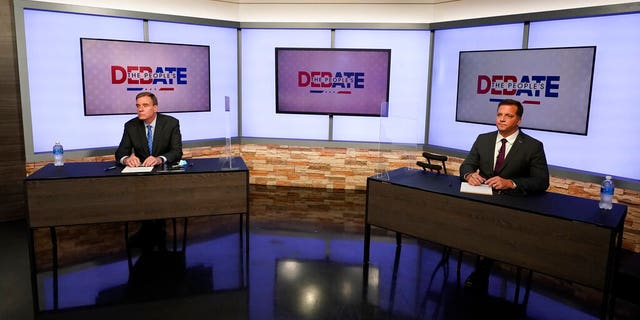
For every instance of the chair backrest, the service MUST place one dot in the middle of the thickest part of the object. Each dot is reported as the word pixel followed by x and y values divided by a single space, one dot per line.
pixel 433 157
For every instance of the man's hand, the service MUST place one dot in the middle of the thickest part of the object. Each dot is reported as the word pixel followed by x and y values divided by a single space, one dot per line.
pixel 475 179
pixel 499 183
pixel 152 161
pixel 131 161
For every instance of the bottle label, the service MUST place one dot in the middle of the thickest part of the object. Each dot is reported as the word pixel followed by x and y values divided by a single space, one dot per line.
pixel 606 190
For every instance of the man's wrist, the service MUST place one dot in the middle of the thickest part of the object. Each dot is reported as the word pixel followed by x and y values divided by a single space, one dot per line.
pixel 514 185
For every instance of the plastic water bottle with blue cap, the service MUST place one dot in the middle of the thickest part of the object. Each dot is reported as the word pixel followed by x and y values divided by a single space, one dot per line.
pixel 58 154
pixel 606 193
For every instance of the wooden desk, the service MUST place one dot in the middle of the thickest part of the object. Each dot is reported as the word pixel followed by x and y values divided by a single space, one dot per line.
pixel 554 234
pixel 85 193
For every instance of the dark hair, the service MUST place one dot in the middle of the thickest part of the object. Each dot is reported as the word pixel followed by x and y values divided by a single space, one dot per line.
pixel 148 94
pixel 511 102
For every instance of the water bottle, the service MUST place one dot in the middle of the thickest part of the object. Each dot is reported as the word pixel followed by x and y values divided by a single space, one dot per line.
pixel 606 194
pixel 58 154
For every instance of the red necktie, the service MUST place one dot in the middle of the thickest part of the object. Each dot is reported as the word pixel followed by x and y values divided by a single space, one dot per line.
pixel 500 159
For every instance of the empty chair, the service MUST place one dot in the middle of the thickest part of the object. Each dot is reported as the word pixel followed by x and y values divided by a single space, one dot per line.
pixel 431 166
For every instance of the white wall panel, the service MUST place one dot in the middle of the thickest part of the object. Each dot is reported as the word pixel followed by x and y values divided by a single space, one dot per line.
pixel 408 87
pixel 259 118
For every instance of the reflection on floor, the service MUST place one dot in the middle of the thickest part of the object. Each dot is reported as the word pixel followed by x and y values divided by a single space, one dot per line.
pixel 305 262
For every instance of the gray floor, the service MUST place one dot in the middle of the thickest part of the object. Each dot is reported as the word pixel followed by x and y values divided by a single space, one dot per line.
pixel 290 254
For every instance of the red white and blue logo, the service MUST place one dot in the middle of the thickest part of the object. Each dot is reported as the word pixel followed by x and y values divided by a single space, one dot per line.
pixel 331 82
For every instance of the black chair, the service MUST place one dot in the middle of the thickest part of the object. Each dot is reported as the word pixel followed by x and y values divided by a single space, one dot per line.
pixel 433 167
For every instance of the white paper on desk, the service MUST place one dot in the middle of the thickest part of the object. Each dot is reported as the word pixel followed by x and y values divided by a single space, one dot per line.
pixel 136 169
pixel 481 189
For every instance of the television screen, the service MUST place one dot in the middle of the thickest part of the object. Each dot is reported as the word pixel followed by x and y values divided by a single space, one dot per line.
pixel 114 72
pixel 333 81
pixel 553 85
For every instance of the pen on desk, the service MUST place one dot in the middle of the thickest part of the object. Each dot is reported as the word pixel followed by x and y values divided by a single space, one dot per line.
pixel 110 168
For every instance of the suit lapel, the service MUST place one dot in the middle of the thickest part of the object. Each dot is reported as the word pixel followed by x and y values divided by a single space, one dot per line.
pixel 513 151
pixel 490 151
pixel 142 131
pixel 156 131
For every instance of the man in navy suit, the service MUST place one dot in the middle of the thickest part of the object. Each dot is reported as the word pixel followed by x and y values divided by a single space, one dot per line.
pixel 133 151
pixel 521 168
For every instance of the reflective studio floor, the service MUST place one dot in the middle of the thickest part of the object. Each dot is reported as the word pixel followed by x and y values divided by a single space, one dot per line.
pixel 305 262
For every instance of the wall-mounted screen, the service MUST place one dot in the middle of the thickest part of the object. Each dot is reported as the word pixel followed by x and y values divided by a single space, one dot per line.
pixel 553 85
pixel 114 72
pixel 333 81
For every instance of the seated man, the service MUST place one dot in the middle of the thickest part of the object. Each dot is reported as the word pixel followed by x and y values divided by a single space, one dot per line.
pixel 507 160
pixel 150 139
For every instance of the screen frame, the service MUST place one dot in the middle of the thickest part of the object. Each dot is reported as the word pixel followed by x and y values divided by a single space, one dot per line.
pixel 589 97
pixel 380 114
pixel 133 112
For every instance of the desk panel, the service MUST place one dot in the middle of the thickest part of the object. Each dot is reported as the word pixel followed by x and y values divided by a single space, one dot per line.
pixel 565 249
pixel 94 192
pixel 57 202
pixel 559 235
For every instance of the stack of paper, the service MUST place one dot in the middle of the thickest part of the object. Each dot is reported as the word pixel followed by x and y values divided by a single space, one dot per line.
pixel 481 189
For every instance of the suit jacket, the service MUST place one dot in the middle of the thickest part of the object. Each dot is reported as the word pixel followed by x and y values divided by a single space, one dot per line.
pixel 167 140
pixel 525 164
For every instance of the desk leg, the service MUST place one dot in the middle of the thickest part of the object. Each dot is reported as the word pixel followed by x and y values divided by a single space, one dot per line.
pixel 527 289
pixel 184 236
pixel 175 235
pixel 458 269
pixel 516 295
pixel 365 261
pixel 241 247
pixel 394 278
pixel 54 249
pixel 34 273
pixel 127 248
pixel 246 235
pixel 608 295
pixel 525 300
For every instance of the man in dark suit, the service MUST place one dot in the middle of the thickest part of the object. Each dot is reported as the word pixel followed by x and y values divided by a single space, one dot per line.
pixel 507 160
pixel 150 139
pixel 166 147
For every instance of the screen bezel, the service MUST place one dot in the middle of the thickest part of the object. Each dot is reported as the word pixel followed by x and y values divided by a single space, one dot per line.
pixel 82 66
pixel 383 109
pixel 589 97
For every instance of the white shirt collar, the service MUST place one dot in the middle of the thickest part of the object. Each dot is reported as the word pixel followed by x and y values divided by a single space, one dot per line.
pixel 153 123
pixel 510 139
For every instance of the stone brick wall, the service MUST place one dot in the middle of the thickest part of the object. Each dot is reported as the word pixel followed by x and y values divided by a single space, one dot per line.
pixel 348 168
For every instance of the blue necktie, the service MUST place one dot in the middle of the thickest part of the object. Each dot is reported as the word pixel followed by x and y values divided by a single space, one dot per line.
pixel 149 138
